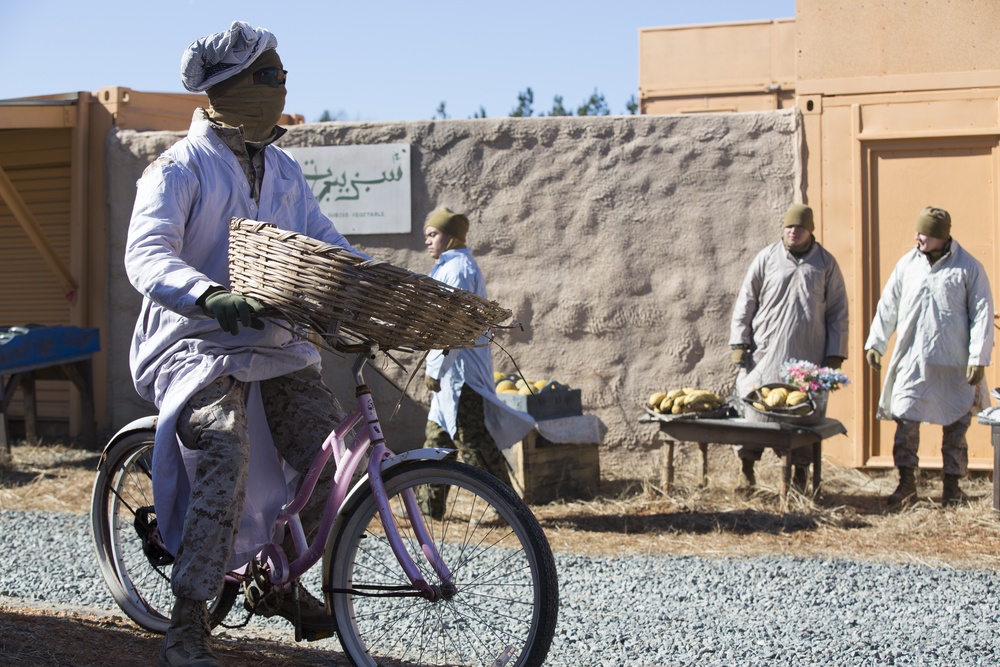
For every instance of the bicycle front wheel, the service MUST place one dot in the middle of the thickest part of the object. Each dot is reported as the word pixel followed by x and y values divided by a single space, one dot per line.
pixel 503 597
pixel 123 521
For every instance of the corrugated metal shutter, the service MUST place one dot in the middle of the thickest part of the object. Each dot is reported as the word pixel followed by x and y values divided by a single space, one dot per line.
pixel 38 163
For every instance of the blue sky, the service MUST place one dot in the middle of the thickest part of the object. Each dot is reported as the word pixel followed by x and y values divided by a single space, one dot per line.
pixel 369 61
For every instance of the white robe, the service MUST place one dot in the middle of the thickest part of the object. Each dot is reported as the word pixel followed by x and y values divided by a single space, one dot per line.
pixel 472 366
pixel 789 308
pixel 177 248
pixel 943 319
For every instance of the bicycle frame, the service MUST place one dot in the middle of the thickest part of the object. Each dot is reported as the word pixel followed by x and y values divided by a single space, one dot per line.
pixel 382 571
pixel 347 458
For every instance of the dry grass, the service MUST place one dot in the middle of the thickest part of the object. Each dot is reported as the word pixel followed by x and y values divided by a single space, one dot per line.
pixel 47 477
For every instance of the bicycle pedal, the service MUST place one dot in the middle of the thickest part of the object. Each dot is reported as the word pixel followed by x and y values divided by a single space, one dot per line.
pixel 316 635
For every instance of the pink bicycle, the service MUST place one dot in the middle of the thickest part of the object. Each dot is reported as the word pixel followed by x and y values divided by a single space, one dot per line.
pixel 473 585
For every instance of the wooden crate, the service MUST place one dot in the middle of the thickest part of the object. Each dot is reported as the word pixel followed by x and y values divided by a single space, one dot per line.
pixel 545 471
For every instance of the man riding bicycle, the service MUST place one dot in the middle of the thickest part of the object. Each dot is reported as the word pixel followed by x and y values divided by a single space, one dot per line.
pixel 237 396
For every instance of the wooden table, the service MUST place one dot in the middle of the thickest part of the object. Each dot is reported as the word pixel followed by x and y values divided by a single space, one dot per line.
pixel 48 353
pixel 782 437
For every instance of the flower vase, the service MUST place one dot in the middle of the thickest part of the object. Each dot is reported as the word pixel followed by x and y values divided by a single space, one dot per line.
pixel 819 399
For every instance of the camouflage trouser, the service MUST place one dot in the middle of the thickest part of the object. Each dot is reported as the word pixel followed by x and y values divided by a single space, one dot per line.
pixel 473 442
pixel 954 446
pixel 300 410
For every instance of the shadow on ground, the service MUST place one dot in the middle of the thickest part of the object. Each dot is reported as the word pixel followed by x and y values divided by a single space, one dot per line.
pixel 36 638
pixel 737 522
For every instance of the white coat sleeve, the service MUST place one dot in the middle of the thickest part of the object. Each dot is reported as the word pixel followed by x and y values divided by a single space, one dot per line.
pixel 156 236
pixel 981 329
pixel 836 312
pixel 747 303
pixel 886 312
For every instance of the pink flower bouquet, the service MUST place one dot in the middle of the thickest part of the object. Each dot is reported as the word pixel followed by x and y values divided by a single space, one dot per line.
pixel 809 377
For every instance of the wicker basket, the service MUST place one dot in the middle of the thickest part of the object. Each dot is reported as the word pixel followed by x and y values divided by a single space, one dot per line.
pixel 804 413
pixel 334 291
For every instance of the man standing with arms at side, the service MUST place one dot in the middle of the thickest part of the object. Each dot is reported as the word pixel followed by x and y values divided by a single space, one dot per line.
pixel 939 303
pixel 465 412
pixel 792 305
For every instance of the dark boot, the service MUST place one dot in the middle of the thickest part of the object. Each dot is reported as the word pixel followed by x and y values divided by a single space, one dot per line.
pixel 748 475
pixel 314 622
pixel 951 493
pixel 907 489
pixel 186 641
pixel 800 477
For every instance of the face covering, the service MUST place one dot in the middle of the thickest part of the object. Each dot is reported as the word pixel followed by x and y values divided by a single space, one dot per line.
pixel 256 106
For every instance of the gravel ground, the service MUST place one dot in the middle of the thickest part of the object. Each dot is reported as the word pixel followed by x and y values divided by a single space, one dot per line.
pixel 643 611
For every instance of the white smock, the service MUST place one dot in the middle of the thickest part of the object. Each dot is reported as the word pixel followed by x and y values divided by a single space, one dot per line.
pixel 943 319
pixel 177 248
pixel 787 308
pixel 472 366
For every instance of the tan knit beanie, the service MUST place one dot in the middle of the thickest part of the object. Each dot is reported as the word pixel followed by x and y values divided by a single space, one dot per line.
pixel 934 222
pixel 455 225
pixel 799 215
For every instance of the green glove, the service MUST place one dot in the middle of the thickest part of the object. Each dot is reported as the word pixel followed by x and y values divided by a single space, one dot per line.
pixel 874 359
pixel 833 362
pixel 739 357
pixel 432 383
pixel 231 310
pixel 974 374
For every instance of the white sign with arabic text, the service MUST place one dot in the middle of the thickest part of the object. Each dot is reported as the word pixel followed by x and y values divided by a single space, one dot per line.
pixel 363 189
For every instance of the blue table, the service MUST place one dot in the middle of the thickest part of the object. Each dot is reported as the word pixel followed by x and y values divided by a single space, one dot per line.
pixel 35 353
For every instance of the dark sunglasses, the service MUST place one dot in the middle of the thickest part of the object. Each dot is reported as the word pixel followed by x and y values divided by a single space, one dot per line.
pixel 271 76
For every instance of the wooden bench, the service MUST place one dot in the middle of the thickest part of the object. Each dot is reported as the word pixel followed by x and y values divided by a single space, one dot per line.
pixel 782 437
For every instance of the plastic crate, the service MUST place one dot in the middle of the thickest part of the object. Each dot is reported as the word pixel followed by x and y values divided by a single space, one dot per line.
pixel 548 404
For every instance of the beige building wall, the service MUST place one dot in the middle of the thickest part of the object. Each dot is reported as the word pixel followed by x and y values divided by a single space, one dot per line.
pixel 901 109
pixel 618 242
pixel 876 46
pixel 901 112
pixel 747 66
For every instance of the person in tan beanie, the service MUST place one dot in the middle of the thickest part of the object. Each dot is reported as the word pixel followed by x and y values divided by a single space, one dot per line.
pixel 465 413
pixel 939 303
pixel 792 305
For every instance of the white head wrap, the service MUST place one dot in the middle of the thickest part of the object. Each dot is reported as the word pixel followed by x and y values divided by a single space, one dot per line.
pixel 218 56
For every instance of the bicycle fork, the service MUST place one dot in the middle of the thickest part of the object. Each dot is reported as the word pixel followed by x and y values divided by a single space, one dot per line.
pixel 379 455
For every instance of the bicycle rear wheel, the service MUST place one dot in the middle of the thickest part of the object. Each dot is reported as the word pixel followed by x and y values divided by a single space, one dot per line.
pixel 506 602
pixel 135 569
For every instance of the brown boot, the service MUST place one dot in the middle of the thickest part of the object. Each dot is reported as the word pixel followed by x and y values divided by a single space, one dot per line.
pixel 907 489
pixel 951 493
pixel 314 622
pixel 186 641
